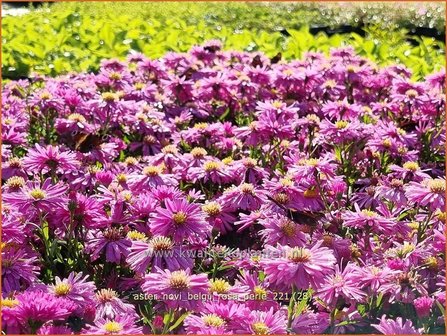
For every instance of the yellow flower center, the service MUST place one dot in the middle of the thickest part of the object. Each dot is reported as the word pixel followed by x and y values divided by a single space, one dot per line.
pixel 45 95
pixel 130 161
pixel 288 228
pixel 135 235
pixel 260 328
pixel 387 143
pixel 312 162
pixel 139 86
pixel 413 225
pixel 179 280
pixel 115 76
pixel 161 243
pixel 169 149
pixel 219 286
pixel 228 160
pixel 441 215
pixel 37 194
pixel 299 255
pixel 109 96
pixel 395 183
pixel 411 93
pixel 281 198
pixel 260 293
pixel 121 177
pixel 341 124
pixel 330 84
pixel 15 162
pixel 247 188
pixel 212 208
pixel 412 166
pixel 437 186
pixel 249 163
pixel 62 289
pixel 210 166
pixel 106 295
pixel 15 182
pixel 432 263
pixel 286 182
pixel 369 213
pixel 201 126
pixel 77 117
pixel 112 327
pixel 179 218
pixel 10 303
pixel 152 171
pixel 149 139
pixel 198 152
pixel 212 320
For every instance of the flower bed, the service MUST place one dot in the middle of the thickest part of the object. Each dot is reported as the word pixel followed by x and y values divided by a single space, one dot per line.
pixel 224 192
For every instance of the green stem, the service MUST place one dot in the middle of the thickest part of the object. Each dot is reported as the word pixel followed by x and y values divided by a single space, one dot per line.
pixel 291 308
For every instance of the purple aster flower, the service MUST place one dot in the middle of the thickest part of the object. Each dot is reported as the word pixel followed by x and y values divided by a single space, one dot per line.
pixel 361 219
pixel 19 268
pixel 298 266
pixel 396 327
pixel 112 242
pixel 175 288
pixel 109 306
pixel 281 230
pixel 430 192
pixel 309 322
pixel 50 329
pixel 265 323
pixel 179 220
pixel 245 197
pixel 341 284
pixel 423 306
pixel 120 325
pixel 75 288
pixel 159 252
pixel 50 159
pixel 36 307
pixel 43 197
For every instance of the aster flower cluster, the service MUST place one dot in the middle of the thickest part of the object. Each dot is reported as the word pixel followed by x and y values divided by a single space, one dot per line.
pixel 221 192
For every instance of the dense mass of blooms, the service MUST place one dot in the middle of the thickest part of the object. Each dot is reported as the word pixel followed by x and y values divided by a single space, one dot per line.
pixel 221 192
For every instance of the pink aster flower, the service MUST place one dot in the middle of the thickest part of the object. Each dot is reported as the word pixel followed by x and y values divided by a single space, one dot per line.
pixel 43 197
pixel 36 307
pixel 299 266
pixel 75 288
pixel 281 230
pixel 245 197
pixel 112 242
pixel 120 325
pixel 19 268
pixel 361 219
pixel 430 192
pixel 265 323
pixel 309 322
pixel 423 306
pixel 396 327
pixel 206 324
pixel 54 330
pixel 50 159
pixel 179 220
pixel 108 305
pixel 159 252
pixel 174 288
pixel 341 284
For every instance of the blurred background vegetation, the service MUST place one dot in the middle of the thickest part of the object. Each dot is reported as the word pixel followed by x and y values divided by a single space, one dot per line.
pixel 75 36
